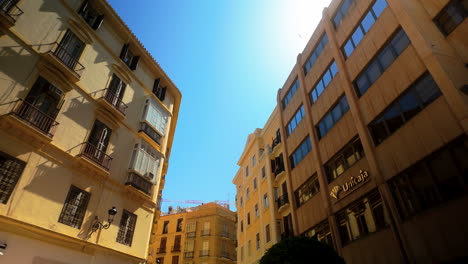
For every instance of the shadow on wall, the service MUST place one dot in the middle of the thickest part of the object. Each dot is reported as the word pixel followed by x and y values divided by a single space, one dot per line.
pixel 76 111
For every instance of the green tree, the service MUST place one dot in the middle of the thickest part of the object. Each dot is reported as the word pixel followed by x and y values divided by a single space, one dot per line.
pixel 301 250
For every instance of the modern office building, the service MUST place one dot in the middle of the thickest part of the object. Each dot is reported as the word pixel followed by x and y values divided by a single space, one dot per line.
pixel 205 234
pixel 374 124
pixel 87 120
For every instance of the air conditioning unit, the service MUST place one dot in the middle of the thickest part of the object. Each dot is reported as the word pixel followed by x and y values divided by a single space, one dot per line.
pixel 149 176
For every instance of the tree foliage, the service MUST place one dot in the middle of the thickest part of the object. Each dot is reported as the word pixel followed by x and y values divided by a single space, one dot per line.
pixel 301 250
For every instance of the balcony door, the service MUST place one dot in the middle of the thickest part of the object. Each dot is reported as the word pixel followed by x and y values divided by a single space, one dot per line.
pixel 98 140
pixel 116 91
pixel 7 5
pixel 70 49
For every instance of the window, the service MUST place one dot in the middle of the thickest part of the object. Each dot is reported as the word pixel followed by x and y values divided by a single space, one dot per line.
pixel 156 116
pixel 296 119
pixel 242 226
pixel 332 117
pixel 342 10
pixel 255 183
pixel 263 172
pixel 257 241
pixel 176 247
pixel 126 228
pixel 191 229
pixel 241 201
pixel 179 225
pixel 206 228
pixel 254 161
pixel 381 62
pixel 189 247
pixel 158 90
pixel 145 160
pixel 248 218
pixel 115 93
pixel 323 82
pixel 321 232
pixel 69 51
pixel 316 53
pixel 10 172
pixel 247 193
pixel 267 233
pixel 242 254
pixel 361 218
pixel 406 106
pixel 175 259
pixel 451 16
pixel 344 159
pixel 97 143
pixel 205 249
pixel 299 154
pixel 265 201
pixel 310 188
pixel 160 260
pixel 363 27
pixel 128 57
pixel 246 171
pixel 74 208
pixel 290 93
pixel 90 15
pixel 165 227
pixel 256 210
pixel 162 245
pixel 436 179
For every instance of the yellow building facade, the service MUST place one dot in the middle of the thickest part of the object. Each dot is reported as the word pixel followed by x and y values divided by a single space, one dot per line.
pixel 87 120
pixel 205 234
pixel 374 124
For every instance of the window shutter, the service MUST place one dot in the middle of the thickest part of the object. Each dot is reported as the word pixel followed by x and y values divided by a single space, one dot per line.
pixel 124 50
pixel 163 93
pixel 156 86
pixel 134 63
pixel 97 24
pixel 83 7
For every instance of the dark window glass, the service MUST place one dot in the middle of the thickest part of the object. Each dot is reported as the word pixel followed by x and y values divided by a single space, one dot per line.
pixel 10 171
pixel 447 175
pixel 74 208
pixel 400 42
pixel 378 130
pixel 333 116
pixel 386 57
pixel 409 105
pixel 324 81
pixel 321 232
pixel 290 93
pixel 393 118
pixel 299 154
pixel 126 228
pixel 336 113
pixel 373 71
pixel 368 21
pixel 427 89
pixel 307 190
pixel 362 84
pixel 316 53
pixel 451 16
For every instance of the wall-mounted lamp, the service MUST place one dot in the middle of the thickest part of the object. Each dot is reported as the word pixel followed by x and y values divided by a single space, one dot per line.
pixel 3 246
pixel 100 225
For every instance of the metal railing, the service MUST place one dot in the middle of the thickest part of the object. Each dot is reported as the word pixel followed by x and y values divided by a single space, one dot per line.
pixel 224 255
pixel 188 254
pixel 10 8
pixel 161 250
pixel 35 117
pixel 206 232
pixel 94 154
pixel 113 99
pixel 66 58
pixel 225 234
pixel 139 183
pixel 282 200
pixel 279 168
pixel 175 248
pixel 190 234
pixel 204 253
pixel 144 127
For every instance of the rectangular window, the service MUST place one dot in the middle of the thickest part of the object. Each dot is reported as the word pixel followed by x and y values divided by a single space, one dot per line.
pixel 242 226
pixel 248 218
pixel 162 245
pixel 179 225
pixel 310 188
pixel 332 117
pixel 158 90
pixel 267 233
pixel 344 159
pixel 97 144
pixel 256 210
pixel 406 106
pixel 241 201
pixel 323 82
pixel 451 16
pixel 127 56
pixel 242 254
pixel 438 178
pixel 176 247
pixel 265 201
pixel 316 53
pixel 90 15
pixel 263 172
pixel 145 160
pixel 160 260
pixel 175 259
pixel 363 27
pixel 257 241
pixel 342 10
pixel 74 208
pixel 254 161
pixel 126 228
pixel 290 93
pixel 69 51
pixel 299 154
pixel 247 193
pixel 321 232
pixel 377 66
pixel 165 227
pixel 296 119
pixel 156 116
pixel 362 217
pixel 206 228
pixel 10 172
pixel 255 183
pixel 246 171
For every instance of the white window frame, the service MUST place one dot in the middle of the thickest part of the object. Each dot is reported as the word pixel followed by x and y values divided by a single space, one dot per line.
pixel 144 153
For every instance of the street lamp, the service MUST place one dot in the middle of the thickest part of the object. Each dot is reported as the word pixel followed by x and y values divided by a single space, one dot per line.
pixel 100 225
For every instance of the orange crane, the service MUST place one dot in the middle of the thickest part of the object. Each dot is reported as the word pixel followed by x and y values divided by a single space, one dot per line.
pixel 196 202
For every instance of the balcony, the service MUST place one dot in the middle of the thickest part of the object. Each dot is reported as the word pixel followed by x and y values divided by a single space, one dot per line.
pixel 282 201
pixel 9 12
pixel 161 250
pixel 112 103
pixel 176 248
pixel 190 234
pixel 150 132
pixel 204 253
pixel 95 155
pixel 139 183
pixel 225 234
pixel 68 65
pixel 205 232
pixel 276 141
pixel 225 255
pixel 188 254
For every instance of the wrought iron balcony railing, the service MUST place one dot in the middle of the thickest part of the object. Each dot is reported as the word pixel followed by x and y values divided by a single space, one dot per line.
pixel 9 8
pixel 276 141
pixel 94 154
pixel 139 183
pixel 206 232
pixel 190 234
pixel 113 99
pixel 148 130
pixel 35 117
pixel 59 51
pixel 225 234
pixel 175 248
pixel 282 200
pixel 204 253
pixel 188 254
pixel 279 168
pixel 161 250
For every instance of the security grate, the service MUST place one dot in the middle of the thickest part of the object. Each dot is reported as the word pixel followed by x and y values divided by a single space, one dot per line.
pixel 127 228
pixel 10 171
pixel 75 206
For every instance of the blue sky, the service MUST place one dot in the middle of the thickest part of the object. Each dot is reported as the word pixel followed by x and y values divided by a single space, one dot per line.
pixel 228 58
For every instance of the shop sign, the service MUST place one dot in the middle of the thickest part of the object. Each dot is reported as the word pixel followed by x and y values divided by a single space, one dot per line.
pixel 353 183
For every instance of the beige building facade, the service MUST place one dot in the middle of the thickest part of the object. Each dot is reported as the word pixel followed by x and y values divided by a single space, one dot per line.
pixel 87 120
pixel 205 234
pixel 374 124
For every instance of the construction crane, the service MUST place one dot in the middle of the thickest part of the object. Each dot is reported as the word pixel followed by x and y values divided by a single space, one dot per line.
pixel 222 203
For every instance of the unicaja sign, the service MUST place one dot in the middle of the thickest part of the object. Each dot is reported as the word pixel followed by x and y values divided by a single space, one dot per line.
pixel 349 185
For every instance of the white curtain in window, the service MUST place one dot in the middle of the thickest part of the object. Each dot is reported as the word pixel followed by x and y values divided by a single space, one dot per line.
pixel 145 159
pixel 157 117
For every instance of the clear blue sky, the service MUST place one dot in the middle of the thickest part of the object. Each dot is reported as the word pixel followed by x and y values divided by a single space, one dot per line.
pixel 228 58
